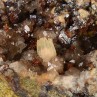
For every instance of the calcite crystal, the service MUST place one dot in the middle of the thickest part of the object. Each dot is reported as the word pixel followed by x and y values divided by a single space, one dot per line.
pixel 46 49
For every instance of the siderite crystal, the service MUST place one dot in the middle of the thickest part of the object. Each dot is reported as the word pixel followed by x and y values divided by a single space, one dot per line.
pixel 11 43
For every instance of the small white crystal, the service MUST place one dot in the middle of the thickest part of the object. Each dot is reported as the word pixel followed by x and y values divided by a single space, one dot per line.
pixel 51 66
pixel 29 55
pixel 67 15
pixel 1 59
pixel 80 64
pixel 44 33
pixel 64 37
pixel 31 35
pixel 12 43
pixel 72 61
pixel 26 28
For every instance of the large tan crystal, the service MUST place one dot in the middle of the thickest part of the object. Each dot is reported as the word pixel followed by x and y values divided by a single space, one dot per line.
pixel 83 13
pixel 1 4
pixel 46 49
pixel 82 2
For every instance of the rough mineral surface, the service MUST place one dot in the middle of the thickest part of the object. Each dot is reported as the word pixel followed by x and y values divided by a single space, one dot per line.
pixel 5 90
pixel 48 48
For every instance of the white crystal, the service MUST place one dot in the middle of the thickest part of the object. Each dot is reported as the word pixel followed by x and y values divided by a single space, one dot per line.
pixel 72 61
pixel 44 33
pixel 64 37
pixel 80 64
pixel 26 28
